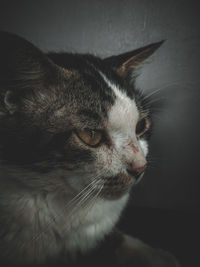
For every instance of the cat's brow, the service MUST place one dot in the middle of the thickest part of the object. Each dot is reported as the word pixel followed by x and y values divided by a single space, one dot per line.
pixel 90 114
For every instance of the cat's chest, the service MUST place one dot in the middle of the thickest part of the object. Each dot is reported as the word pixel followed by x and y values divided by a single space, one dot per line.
pixel 88 229
pixel 52 231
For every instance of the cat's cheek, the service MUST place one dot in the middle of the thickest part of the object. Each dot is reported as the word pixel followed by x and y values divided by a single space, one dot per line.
pixel 108 162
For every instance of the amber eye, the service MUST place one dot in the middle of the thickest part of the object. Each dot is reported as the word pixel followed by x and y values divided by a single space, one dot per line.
pixel 90 137
pixel 142 126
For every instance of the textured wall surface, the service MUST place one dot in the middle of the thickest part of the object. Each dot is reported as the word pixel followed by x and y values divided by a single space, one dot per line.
pixel 111 27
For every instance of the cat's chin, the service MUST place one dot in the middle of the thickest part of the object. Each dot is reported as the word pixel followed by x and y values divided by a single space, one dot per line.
pixel 117 186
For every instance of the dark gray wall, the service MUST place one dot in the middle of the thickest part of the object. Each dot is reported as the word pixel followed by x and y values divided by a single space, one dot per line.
pixel 112 27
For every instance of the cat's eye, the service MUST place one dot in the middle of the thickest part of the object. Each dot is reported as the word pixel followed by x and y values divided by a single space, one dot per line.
pixel 142 126
pixel 90 137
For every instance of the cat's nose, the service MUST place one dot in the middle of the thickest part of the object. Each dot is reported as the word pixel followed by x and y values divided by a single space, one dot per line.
pixel 136 171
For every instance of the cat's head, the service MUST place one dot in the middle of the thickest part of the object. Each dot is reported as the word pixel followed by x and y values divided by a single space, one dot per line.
pixel 72 121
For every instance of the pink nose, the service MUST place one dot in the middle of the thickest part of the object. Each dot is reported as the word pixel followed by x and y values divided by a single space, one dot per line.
pixel 136 171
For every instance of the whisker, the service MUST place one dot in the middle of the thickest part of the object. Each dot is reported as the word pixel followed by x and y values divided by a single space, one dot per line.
pixel 78 197
pixel 83 201
pixel 152 101
pixel 80 193
pixel 86 196
pixel 152 93
pixel 93 201
pixel 162 88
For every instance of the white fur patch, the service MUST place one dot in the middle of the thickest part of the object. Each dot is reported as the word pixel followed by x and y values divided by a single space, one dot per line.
pixel 122 120
pixel 144 146
pixel 124 113
pixel 99 221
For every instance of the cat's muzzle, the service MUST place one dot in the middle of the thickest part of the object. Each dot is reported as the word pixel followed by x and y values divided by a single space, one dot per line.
pixel 117 186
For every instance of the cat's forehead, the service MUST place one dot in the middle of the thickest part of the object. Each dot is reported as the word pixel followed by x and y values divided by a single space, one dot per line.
pixel 104 103
pixel 96 101
pixel 124 112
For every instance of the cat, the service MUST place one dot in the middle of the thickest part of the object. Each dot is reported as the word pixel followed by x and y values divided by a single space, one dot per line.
pixel 74 136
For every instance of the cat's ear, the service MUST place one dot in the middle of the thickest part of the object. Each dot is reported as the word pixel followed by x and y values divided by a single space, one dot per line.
pixel 125 64
pixel 23 70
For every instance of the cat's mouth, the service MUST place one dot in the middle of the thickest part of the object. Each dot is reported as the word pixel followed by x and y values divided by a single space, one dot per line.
pixel 117 186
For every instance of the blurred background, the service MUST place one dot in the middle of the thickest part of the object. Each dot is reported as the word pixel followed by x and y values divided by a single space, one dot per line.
pixel 105 28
